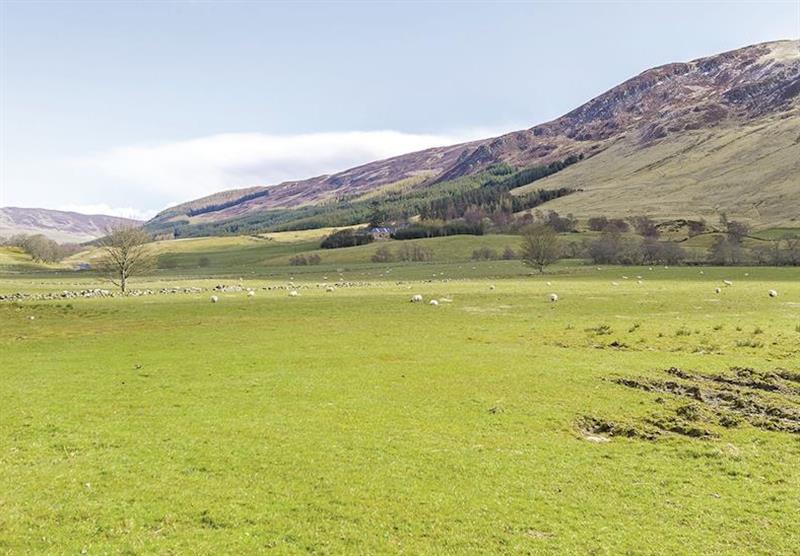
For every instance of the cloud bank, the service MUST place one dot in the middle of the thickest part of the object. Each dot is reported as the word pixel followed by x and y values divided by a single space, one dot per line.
pixel 160 174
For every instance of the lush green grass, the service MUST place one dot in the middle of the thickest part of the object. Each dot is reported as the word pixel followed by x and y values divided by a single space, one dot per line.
pixel 355 421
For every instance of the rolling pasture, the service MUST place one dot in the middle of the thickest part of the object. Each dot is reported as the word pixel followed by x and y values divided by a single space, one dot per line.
pixel 354 421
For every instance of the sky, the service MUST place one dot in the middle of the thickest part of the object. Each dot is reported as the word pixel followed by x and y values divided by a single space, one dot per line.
pixel 128 107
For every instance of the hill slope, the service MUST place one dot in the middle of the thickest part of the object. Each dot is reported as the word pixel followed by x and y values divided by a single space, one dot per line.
pixel 64 227
pixel 659 117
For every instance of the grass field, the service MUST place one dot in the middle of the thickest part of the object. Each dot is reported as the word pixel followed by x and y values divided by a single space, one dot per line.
pixel 357 422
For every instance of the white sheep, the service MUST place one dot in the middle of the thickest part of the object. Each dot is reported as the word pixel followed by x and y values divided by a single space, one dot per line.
pixel 717 290
pixel 416 298
pixel 553 297
pixel 727 282
pixel 773 293
pixel 214 299
pixel 251 293
pixel 293 293
pixel 615 283
pixel 434 302
pixel 491 287
pixel 330 289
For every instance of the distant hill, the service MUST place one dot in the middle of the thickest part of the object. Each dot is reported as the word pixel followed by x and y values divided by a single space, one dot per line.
pixel 63 227
pixel 720 133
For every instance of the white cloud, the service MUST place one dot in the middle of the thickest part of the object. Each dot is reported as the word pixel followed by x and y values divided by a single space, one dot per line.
pixel 140 180
pixel 102 208
pixel 179 171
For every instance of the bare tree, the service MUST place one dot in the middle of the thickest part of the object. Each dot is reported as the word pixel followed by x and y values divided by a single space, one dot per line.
pixel 540 247
pixel 125 254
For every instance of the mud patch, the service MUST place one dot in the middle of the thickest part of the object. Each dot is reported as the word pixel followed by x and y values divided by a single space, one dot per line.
pixel 692 403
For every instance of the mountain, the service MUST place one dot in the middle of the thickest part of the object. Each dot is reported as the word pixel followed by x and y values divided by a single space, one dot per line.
pixel 63 227
pixel 720 133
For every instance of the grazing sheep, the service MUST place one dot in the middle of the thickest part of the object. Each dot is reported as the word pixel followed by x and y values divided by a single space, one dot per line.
pixel 293 293
pixel 639 282
pixel 34 318
pixel 727 282
pixel 214 299
pixel 434 302
pixel 491 287
pixel 553 297
pixel 330 289
pixel 251 293
pixel 549 283
pixel 773 293
pixel 416 298
pixel 615 283
pixel 717 290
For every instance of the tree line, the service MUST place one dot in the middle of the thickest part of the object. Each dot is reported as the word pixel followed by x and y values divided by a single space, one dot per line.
pixel 41 248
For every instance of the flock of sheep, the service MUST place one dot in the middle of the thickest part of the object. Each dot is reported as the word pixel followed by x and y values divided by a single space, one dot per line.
pixel 418 298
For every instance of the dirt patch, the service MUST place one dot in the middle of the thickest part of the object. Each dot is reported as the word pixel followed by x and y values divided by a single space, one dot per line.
pixel 768 400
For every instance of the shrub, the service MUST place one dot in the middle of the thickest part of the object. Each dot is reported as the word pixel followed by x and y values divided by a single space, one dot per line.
pixel 597 223
pixel 382 255
pixel 303 260
pixel 484 254
pixel 346 238
pixel 415 253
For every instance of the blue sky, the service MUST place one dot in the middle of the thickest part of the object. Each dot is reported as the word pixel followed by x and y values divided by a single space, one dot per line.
pixel 119 106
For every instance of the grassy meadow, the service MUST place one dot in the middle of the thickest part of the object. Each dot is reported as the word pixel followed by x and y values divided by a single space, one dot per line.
pixel 354 421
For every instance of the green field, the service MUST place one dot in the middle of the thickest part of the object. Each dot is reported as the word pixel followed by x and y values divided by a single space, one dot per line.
pixel 354 421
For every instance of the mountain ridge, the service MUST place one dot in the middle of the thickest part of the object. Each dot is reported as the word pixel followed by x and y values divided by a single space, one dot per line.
pixel 721 91
pixel 59 225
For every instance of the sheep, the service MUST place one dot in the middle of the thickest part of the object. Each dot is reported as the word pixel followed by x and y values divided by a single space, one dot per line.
pixel 717 290
pixel 615 283
pixel 251 293
pixel 639 282
pixel 416 298
pixel 293 293
pixel 434 302
pixel 773 293
pixel 553 297
pixel 491 287
pixel 330 289
pixel 727 282
pixel 214 299
pixel 549 283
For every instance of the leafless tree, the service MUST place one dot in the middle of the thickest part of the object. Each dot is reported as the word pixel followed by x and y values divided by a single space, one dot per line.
pixel 540 247
pixel 125 254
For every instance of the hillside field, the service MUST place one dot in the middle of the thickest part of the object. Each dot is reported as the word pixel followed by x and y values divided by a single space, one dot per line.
pixel 354 421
